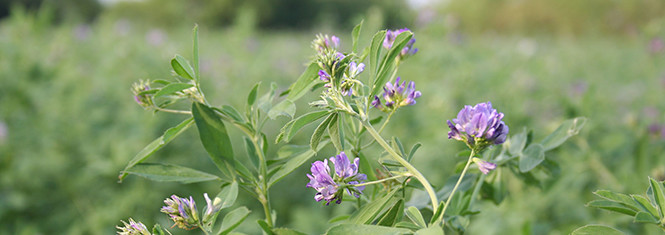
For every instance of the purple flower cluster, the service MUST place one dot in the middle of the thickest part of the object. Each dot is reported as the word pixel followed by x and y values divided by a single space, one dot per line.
pixel 408 49
pixel 397 95
pixel 182 211
pixel 139 96
pixel 324 43
pixel 133 228
pixel 478 126
pixel 330 188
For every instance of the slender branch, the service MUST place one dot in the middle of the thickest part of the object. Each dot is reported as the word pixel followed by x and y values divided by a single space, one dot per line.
pixel 387 120
pixel 172 111
pixel 407 165
pixel 452 193
pixel 383 180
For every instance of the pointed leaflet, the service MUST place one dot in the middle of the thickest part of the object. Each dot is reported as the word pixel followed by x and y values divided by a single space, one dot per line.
pixel 612 206
pixel 157 144
pixel 304 82
pixel 182 67
pixel 292 127
pixel 251 152
pixel 414 215
pixel 567 129
pixel 293 163
pixel 170 173
pixel 532 157
pixel 393 215
pixel 658 195
pixel 645 204
pixel 233 219
pixel 318 132
pixel 375 52
pixel 355 34
pixel 228 195
pixel 368 212
pixel 388 64
pixel 285 108
pixel 213 134
pixel 172 88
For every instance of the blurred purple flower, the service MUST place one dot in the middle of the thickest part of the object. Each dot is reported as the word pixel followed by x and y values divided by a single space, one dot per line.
pixel 355 69
pixel 346 173
pixel 324 43
pixel 397 95
pixel 656 45
pixel 478 126
pixel 182 211
pixel 82 32
pixel 389 40
pixel 155 37
pixel 484 166
pixel 324 76
pixel 4 131
pixel 133 228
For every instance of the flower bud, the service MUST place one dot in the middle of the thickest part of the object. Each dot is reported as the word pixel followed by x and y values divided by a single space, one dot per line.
pixel 133 228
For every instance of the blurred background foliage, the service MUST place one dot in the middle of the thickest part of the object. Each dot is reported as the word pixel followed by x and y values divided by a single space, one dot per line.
pixel 68 123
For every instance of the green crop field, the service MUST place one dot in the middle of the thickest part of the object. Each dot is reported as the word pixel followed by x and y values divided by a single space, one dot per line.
pixel 69 123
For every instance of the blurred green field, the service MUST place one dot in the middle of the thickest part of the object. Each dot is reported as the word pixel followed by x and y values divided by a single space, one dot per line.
pixel 71 123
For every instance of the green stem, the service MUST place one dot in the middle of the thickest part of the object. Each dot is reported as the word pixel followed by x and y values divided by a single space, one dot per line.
pixel 387 120
pixel 407 165
pixel 383 180
pixel 172 111
pixel 452 193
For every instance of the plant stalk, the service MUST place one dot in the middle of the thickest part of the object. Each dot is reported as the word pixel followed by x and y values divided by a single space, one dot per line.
pixel 452 193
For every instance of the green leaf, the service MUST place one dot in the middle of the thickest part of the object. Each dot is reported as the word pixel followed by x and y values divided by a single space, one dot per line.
pixel 251 152
pixel 306 80
pixel 659 197
pixel 233 219
pixel 157 144
pixel 253 95
pixel 195 51
pixel 291 128
pixel 265 227
pixel 611 206
pixel 336 133
pixel 596 230
pixel 172 88
pixel 213 135
pixel 228 195
pixel 182 67
pixel 232 113
pixel 388 64
pixel 170 173
pixel 408 225
pixel 619 197
pixel 292 164
pixel 393 215
pixel 285 108
pixel 346 229
pixel 157 230
pixel 413 151
pixel 366 167
pixel 567 129
pixel 287 231
pixel 339 218
pixel 355 34
pixel 318 132
pixel 436 217
pixel 370 210
pixel 397 145
pixel 433 230
pixel 644 217
pixel 517 143
pixel 532 157
pixel 375 52
pixel 265 102
pixel 414 215
pixel 645 204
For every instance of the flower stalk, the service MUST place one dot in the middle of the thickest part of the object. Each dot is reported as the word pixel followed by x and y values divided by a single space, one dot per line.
pixel 466 167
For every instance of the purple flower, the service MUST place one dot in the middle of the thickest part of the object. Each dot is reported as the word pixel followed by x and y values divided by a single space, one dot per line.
pixel 324 43
pixel 140 97
pixel 329 188
pixel 355 69
pixel 407 50
pixel 182 211
pixel 212 207
pixel 484 166
pixel 478 126
pixel 397 94
pixel 324 76
pixel 133 228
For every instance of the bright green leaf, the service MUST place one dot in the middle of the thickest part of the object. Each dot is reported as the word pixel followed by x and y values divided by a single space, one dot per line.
pixel 567 129
pixel 157 144
pixel 170 173
pixel 265 227
pixel 291 128
pixel 619 197
pixel 233 219
pixel 370 210
pixel 644 217
pixel 306 80
pixel 414 215
pixel 251 152
pixel 292 164
pixel 285 108
pixel 182 67
pixel 336 133
pixel 253 94
pixel 645 204
pixel 320 130
pixel 612 206
pixel 517 143
pixel 659 195
pixel 375 52
pixel 532 157
pixel 172 88
pixel 355 34
pixel 346 229
pixel 228 195
pixel 596 230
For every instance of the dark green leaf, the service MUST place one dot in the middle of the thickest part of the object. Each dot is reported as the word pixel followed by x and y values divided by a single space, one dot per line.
pixel 291 128
pixel 265 227
pixel 172 88
pixel 253 94
pixel 567 129
pixel 393 215
pixel 233 219
pixel 397 145
pixel 335 133
pixel 213 134
pixel 414 215
pixel 413 151
pixel 370 210
pixel 285 108
pixel 596 230
pixel 355 34
pixel 292 164
pixel 157 230
pixel 251 152
pixel 658 195
pixel 346 229
pixel 170 173
pixel 619 197
pixel 366 167
pixel 306 80
pixel 182 67
pixel 157 144
pixel 532 157
pixel 645 204
pixel 318 132
pixel 612 206
pixel 232 113
pixel 644 217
